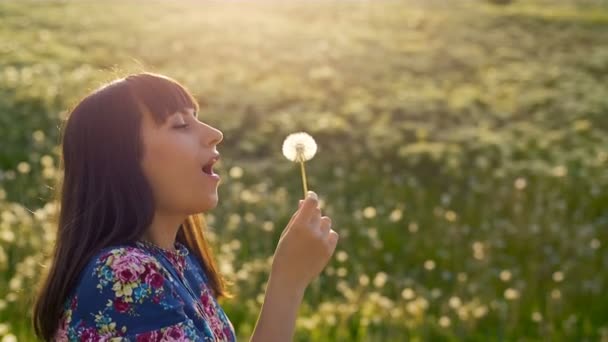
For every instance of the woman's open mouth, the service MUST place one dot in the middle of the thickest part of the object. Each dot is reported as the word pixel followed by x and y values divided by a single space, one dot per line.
pixel 208 168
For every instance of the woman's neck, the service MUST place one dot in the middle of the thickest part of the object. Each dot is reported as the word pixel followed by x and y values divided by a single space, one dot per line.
pixel 163 230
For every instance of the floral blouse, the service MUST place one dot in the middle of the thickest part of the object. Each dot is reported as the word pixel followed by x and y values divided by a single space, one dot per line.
pixel 137 292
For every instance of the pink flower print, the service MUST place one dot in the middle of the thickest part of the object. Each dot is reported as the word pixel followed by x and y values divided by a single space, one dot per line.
pixel 126 275
pixel 73 302
pixel 89 334
pixel 218 331
pixel 120 305
pixel 227 331
pixel 179 261
pixel 128 267
pixel 154 279
pixel 207 304
pixel 151 336
pixel 105 256
pixel 174 334
pixel 148 268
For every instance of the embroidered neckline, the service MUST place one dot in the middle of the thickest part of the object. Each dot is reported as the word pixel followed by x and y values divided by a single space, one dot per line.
pixel 180 249
pixel 177 257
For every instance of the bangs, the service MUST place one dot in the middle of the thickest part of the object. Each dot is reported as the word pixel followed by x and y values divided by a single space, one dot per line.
pixel 161 95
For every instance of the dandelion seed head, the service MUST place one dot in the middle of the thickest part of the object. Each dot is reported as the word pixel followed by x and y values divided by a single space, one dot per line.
pixel 556 294
pixel 429 265
pixel 299 146
pixel 511 294
pixel 480 311
pixel 520 183
pixel 236 172
pixel 558 276
pixel 380 279
pixel 455 302
pixel 9 338
pixel 408 294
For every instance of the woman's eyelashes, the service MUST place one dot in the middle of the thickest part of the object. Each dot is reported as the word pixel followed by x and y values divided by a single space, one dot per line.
pixel 182 126
pixel 185 124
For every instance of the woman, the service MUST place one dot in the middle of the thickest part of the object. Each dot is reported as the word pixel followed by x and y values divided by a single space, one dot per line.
pixel 131 261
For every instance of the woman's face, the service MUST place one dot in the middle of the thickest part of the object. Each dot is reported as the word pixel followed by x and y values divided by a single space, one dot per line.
pixel 173 159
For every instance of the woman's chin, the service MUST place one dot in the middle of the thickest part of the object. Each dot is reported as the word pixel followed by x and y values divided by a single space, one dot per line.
pixel 209 203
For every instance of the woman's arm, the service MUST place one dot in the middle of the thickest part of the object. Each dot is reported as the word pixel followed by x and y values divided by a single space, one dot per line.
pixel 277 318
pixel 305 247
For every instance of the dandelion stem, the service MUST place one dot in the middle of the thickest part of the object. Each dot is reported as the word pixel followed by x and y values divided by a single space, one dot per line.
pixel 303 177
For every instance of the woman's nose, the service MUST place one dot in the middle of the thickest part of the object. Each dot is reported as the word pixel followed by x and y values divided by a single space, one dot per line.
pixel 212 136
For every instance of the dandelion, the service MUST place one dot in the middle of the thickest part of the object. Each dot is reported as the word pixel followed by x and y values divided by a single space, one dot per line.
pixel 23 167
pixel 369 212
pixel 444 321
pixel 558 276
pixel 505 275
pixel 429 265
pixel 408 293
pixel 511 294
pixel 556 294
pixel 396 215
pixel 480 311
pixel 236 172
pixel 342 256
pixel 363 280
pixel 520 183
pixel 380 279
pixel 9 338
pixel 300 147
pixel 413 227
pixel 455 302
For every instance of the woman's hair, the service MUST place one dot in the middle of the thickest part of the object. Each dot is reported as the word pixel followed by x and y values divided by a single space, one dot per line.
pixel 104 197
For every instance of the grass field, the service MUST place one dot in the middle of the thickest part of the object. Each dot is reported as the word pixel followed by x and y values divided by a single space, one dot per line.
pixel 463 152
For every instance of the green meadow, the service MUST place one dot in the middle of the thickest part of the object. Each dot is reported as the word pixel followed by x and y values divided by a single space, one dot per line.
pixel 462 156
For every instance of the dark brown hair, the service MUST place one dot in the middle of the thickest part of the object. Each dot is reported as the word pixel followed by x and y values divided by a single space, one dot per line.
pixel 104 197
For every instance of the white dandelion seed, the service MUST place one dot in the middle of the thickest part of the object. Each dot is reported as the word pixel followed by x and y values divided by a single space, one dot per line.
pixel 300 147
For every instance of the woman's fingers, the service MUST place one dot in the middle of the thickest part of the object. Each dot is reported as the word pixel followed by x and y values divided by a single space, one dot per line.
pixel 325 226
pixel 332 240
pixel 292 218
pixel 308 209
pixel 315 219
pixel 309 216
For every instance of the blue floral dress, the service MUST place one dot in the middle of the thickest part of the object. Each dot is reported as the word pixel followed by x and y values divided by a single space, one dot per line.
pixel 135 292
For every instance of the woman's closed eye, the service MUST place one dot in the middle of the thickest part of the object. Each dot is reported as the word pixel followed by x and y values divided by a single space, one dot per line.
pixel 182 126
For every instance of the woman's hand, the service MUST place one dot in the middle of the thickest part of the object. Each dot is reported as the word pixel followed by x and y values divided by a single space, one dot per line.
pixel 305 246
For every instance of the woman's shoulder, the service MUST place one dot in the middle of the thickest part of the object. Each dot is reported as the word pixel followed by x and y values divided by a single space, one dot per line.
pixel 123 292
pixel 122 264
pixel 118 258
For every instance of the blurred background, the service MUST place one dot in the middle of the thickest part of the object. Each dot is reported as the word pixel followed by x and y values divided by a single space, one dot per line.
pixel 462 152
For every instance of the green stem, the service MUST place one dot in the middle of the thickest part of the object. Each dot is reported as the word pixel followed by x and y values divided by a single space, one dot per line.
pixel 303 178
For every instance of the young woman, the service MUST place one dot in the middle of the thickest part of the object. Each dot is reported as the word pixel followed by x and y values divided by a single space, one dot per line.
pixel 131 262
